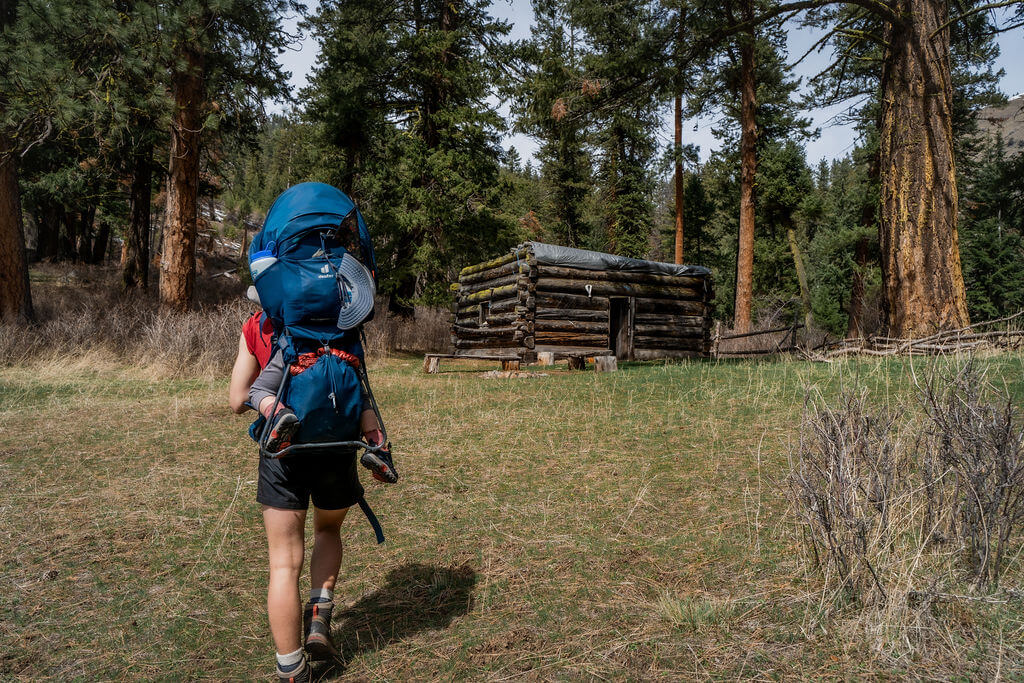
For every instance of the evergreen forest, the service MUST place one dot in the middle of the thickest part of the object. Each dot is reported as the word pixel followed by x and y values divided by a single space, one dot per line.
pixel 130 128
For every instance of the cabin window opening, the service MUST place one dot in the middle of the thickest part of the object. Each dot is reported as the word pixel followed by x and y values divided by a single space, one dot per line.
pixel 485 310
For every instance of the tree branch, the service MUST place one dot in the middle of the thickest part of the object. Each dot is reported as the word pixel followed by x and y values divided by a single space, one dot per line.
pixel 873 6
pixel 977 10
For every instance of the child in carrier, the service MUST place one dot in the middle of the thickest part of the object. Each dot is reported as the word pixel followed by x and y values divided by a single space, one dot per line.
pixel 284 423
pixel 313 267
pixel 300 364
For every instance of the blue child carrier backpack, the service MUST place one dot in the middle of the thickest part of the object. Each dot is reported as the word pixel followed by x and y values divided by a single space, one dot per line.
pixel 314 268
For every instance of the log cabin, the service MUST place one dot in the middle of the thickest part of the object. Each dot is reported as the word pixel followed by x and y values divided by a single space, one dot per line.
pixel 572 302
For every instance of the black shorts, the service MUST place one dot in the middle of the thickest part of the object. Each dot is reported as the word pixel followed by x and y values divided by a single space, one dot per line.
pixel 331 480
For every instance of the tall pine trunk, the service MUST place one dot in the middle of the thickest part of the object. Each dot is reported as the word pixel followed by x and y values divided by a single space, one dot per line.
pixel 101 243
pixel 178 261
pixel 15 296
pixel 748 169
pixel 855 324
pixel 921 278
pixel 86 220
pixel 136 245
pixel 679 178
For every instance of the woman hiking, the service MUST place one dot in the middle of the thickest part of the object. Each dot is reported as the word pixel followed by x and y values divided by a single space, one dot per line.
pixel 285 488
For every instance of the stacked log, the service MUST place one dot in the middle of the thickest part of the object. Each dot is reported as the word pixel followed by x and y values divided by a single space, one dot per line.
pixel 513 304
pixel 490 312
pixel 670 314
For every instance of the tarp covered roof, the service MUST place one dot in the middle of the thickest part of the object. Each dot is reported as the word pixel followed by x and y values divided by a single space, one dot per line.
pixel 569 257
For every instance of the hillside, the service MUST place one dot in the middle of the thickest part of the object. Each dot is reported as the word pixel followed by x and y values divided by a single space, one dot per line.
pixel 1008 120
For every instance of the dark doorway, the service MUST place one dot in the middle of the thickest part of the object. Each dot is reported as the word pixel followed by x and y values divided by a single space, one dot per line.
pixel 620 326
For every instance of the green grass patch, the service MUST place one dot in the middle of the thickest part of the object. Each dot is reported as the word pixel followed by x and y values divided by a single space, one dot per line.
pixel 578 525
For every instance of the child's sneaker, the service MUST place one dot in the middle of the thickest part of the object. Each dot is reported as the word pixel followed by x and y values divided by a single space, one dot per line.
pixel 283 426
pixel 381 464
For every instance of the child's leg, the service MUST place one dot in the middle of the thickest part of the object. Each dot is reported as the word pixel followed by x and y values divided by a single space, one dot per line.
pixel 283 423
pixel 267 404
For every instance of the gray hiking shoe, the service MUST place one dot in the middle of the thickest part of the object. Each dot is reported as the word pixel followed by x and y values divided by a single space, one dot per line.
pixel 316 625
pixel 301 674
pixel 283 427
pixel 380 464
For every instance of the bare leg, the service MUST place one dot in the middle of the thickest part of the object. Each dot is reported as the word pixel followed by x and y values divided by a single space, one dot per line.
pixel 285 545
pixel 325 561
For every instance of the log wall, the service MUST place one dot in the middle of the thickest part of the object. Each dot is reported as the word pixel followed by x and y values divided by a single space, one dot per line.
pixel 669 315
pixel 514 304
pixel 491 309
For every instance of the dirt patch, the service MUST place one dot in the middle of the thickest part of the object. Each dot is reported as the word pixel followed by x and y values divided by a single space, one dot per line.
pixel 511 374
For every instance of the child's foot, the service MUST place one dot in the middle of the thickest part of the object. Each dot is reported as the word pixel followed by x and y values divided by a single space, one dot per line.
pixel 283 426
pixel 380 464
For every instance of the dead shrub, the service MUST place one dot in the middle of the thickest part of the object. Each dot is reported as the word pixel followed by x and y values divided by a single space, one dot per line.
pixel 849 489
pixel 902 509
pixel 973 469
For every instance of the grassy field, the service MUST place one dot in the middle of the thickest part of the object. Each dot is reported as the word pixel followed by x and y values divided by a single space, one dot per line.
pixel 614 526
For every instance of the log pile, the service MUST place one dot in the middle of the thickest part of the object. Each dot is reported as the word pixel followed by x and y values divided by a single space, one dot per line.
pixel 515 302
pixel 974 338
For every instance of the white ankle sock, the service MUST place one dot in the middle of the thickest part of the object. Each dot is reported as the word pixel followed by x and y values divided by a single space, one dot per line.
pixel 289 661
pixel 321 595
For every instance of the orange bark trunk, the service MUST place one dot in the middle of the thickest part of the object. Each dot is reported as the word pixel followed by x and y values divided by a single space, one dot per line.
pixel 748 169
pixel 15 296
pixel 921 277
pixel 178 261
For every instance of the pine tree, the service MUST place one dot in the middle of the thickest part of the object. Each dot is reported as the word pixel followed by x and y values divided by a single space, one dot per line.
pixel 624 40
pixel 217 48
pixel 544 108
pixel 747 80
pixel 992 234
pixel 911 57
pixel 357 69
pixel 426 168
pixel 40 91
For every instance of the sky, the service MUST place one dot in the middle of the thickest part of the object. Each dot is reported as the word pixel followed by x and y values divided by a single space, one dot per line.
pixel 834 142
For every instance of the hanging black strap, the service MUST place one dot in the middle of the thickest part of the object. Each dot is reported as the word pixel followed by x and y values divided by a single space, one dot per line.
pixel 365 507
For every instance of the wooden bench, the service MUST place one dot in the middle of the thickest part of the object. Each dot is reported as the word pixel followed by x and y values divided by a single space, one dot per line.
pixel 432 361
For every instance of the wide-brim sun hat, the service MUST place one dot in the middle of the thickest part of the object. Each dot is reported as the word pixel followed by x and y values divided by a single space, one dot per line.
pixel 357 291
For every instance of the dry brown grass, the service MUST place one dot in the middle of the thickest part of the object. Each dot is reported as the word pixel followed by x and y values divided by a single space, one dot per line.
pixel 427 331
pixel 82 313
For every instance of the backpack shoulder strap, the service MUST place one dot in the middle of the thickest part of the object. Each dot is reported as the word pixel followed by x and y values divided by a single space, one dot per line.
pixel 372 518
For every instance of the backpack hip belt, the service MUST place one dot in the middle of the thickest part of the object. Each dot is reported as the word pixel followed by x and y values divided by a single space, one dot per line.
pixel 308 360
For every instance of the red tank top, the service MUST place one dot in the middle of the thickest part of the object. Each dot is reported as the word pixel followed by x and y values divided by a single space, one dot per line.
pixel 258 340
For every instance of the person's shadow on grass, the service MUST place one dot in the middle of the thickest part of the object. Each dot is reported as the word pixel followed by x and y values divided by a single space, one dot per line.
pixel 415 597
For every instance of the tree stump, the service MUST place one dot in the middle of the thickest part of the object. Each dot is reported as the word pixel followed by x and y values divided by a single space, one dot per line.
pixel 546 358
pixel 510 365
pixel 577 362
pixel 431 364
pixel 606 364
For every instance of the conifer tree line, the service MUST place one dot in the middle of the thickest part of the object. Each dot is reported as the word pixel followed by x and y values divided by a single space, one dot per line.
pixel 118 119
